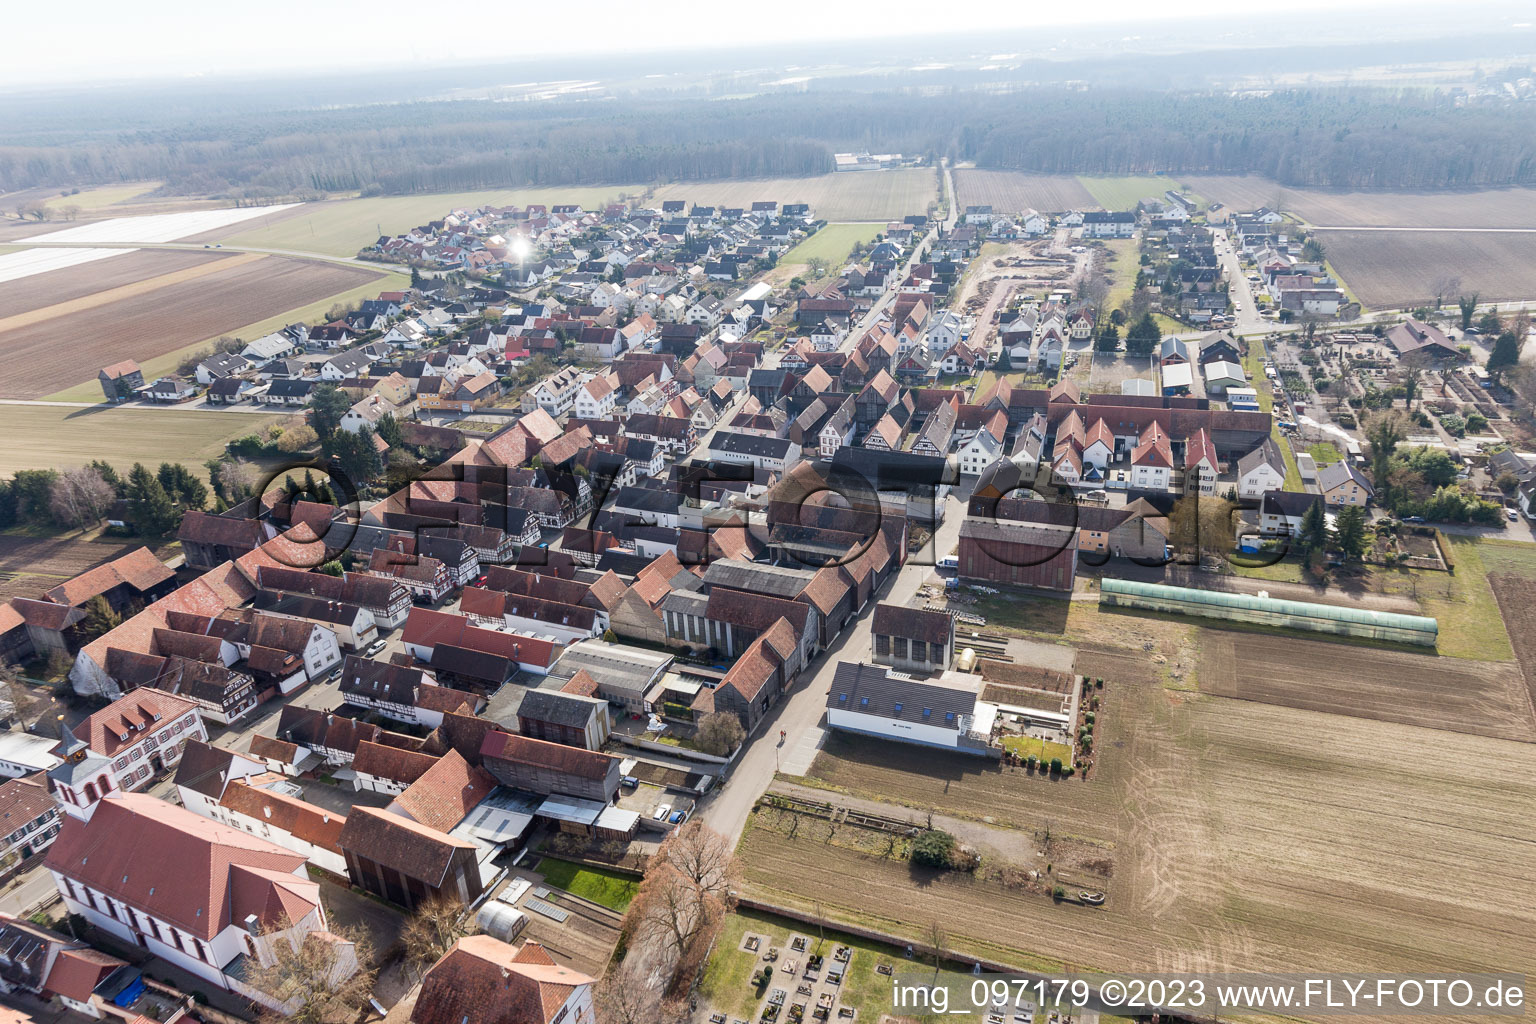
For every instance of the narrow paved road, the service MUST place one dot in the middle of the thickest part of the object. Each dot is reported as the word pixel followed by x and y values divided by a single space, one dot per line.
pixel 800 713
pixel 199 246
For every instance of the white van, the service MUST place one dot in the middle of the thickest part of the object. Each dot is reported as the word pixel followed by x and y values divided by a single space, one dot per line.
pixel 950 563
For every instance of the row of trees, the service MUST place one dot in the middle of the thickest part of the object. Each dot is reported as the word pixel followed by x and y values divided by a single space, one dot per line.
pixel 1305 137
pixel 80 498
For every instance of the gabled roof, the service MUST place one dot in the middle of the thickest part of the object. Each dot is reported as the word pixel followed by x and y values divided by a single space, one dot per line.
pixel 197 874
pixel 138 569
pixel 443 795
pixel 556 757
pixel 415 850
pixel 913 624
pixel 133 714
pixel 1336 474
pixel 482 980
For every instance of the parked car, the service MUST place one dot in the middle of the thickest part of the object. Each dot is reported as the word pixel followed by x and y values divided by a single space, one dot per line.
pixel 660 814
pixel 1512 514
pixel 375 647
pixel 678 817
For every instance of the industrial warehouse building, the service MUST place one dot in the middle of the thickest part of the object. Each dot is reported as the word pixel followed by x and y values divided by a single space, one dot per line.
pixel 1269 611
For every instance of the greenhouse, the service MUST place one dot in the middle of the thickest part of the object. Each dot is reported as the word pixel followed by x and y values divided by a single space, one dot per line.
pixel 1269 611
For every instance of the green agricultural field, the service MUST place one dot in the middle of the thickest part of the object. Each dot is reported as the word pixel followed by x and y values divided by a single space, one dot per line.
pixel 90 391
pixel 1123 193
pixel 606 888
pixel 832 243
pixel 57 437
pixel 340 227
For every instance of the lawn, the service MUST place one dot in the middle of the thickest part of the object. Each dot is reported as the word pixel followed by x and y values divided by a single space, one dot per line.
pixel 1044 750
pixel 55 437
pixel 1470 623
pixel 340 227
pixel 1123 193
pixel 1253 363
pixel 1324 453
pixel 606 888
pixel 832 243
pixel 90 391
pixel 1124 262
pixel 727 984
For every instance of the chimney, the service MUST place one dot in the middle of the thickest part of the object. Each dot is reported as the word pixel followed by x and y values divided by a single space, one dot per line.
pixel 253 924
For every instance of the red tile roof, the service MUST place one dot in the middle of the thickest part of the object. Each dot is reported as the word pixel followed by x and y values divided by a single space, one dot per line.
pixel 136 713
pixel 176 865
pixel 482 980
pixel 590 764
pixel 304 820
pixel 139 569
pixel 77 972
pixel 445 793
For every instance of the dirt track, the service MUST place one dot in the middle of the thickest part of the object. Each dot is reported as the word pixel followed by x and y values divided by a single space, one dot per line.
pixel 1481 698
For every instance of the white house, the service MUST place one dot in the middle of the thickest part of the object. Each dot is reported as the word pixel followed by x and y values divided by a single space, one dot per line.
pixel 123 745
pixel 1152 460
pixel 944 711
pixel 596 398
pixel 1200 464
pixel 1109 225
pixel 772 453
pixel 263 350
pixel 985 448
pixel 201 895
pixel 1261 470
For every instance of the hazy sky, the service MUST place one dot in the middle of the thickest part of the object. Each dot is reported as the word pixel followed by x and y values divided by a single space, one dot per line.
pixel 95 39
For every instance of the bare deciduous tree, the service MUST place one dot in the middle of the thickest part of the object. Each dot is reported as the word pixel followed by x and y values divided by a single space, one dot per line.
pixel 80 497
pixel 432 931
pixel 936 939
pixel 689 886
pixel 719 733
pixel 628 996
pixel 317 978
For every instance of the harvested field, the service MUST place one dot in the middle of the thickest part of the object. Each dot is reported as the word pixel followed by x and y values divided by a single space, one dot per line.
pixel 1244 836
pixel 1475 208
pixel 1009 192
pixel 1517 603
pixel 1397 269
pixel 70 283
pixel 31 565
pixel 1481 698
pixel 850 196
pixel 122 293
pixel 53 437
pixel 151 323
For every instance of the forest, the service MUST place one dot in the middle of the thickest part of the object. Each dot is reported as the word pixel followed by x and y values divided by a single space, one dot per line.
pixel 1342 138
